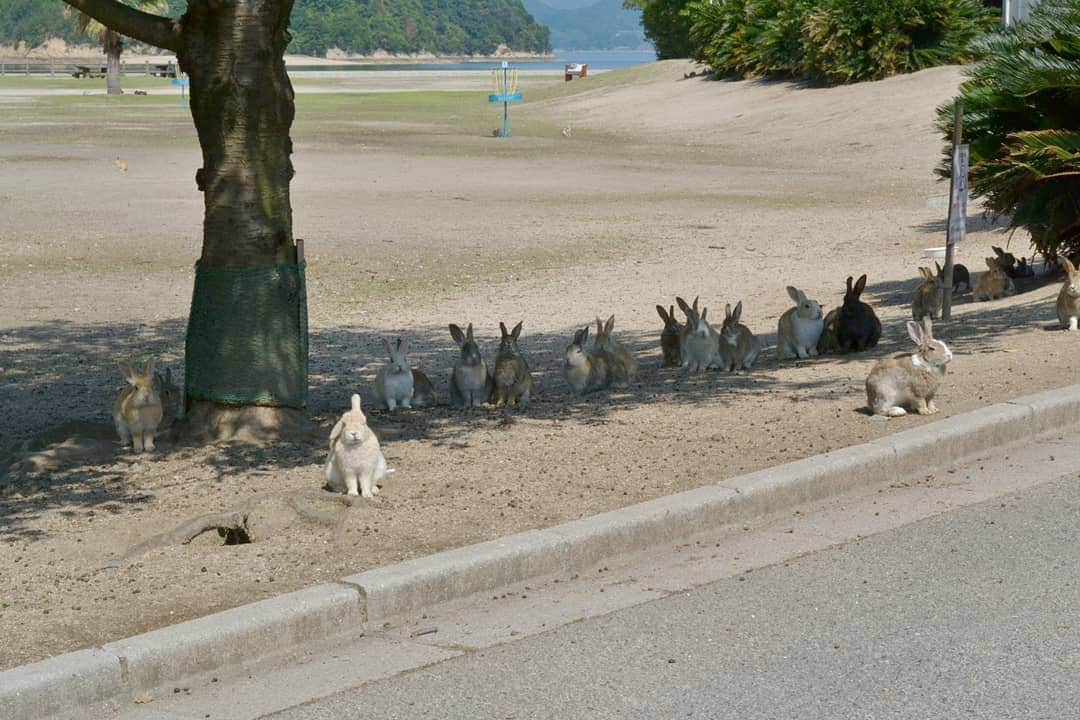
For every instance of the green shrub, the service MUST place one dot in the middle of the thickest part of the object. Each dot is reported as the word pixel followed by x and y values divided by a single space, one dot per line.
pixel 1022 121
pixel 833 41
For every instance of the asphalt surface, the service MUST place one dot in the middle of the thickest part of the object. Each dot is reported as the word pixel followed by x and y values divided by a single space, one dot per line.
pixel 970 614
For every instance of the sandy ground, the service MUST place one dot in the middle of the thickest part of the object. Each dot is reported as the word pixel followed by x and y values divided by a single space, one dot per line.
pixel 415 217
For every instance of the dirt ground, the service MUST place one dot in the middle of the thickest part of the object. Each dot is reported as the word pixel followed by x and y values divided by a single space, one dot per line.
pixel 415 217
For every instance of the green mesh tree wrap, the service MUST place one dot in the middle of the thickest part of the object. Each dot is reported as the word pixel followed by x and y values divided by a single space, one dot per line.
pixel 247 336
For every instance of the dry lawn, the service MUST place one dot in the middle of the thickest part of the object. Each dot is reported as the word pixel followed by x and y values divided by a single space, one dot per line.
pixel 415 217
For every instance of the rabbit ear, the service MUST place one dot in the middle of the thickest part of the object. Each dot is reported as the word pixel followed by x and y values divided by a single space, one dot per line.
pixel 991 263
pixel 915 331
pixel 860 285
pixel 849 284
pixel 455 332
pixel 609 325
pixel 662 313
pixel 928 327
pixel 386 346
pixel 356 402
pixel 695 303
pixel 795 294
pixel 129 373
pixel 403 346
pixel 1067 264
pixel 599 326
pixel 683 306
pixel 148 368
pixel 727 311
pixel 516 332
pixel 940 270
pixel 736 314
pixel 998 251
pixel 468 332
pixel 703 313
pixel 336 432
pixel 502 329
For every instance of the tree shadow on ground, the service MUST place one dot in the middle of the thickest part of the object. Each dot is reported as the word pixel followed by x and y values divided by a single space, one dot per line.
pixel 60 379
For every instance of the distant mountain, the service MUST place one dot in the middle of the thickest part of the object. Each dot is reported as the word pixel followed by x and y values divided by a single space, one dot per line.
pixel 441 27
pixel 589 24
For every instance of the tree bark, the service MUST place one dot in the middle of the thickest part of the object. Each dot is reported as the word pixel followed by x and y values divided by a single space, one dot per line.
pixel 246 356
pixel 113 45
pixel 242 103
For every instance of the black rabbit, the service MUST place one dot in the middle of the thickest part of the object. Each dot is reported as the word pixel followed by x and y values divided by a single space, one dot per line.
pixel 857 327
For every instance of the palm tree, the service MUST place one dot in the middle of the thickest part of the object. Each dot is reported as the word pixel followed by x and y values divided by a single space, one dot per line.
pixel 112 43
pixel 1021 104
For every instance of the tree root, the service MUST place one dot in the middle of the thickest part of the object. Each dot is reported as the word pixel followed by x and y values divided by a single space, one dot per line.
pixel 231 525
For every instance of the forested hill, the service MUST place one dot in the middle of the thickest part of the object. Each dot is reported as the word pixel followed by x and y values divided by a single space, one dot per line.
pixel 442 27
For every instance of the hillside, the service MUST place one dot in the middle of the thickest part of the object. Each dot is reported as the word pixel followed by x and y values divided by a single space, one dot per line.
pixel 593 25
pixel 441 27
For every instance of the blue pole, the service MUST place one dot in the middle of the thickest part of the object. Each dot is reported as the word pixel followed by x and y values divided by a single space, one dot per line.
pixel 506 105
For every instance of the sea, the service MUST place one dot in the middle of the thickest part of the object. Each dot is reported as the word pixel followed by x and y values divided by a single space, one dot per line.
pixel 597 60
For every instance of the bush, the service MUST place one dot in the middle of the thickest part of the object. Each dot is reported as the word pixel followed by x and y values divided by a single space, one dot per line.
pixel 834 41
pixel 1022 120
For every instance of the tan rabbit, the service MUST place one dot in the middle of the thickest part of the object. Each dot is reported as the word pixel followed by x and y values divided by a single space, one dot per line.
pixel 929 295
pixel 622 366
pixel 671 337
pixel 909 382
pixel 138 412
pixel 513 381
pixel 1068 302
pixel 584 371
pixel 993 283
pixel 356 464
pixel 739 347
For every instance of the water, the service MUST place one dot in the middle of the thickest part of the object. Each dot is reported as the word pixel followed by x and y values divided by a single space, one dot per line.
pixel 598 60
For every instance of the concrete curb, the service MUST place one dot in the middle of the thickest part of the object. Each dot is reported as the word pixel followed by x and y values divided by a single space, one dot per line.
pixel 168 656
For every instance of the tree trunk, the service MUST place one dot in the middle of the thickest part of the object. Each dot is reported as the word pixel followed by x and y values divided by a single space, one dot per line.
pixel 113 45
pixel 247 335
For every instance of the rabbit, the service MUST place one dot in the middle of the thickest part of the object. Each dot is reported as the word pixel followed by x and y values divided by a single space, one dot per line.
pixel 670 337
pixel 909 382
pixel 993 283
pixel 470 381
pixel 1013 268
pixel 622 366
pixel 800 327
pixel 394 381
pixel 960 276
pixel 172 398
pixel 513 381
pixel 828 342
pixel 138 410
pixel 355 461
pixel 739 347
pixel 857 327
pixel 929 295
pixel 700 343
pixel 585 372
pixel 423 390
pixel 1068 302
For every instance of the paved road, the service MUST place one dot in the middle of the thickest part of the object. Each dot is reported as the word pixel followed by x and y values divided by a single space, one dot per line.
pixel 972 614
pixel 951 595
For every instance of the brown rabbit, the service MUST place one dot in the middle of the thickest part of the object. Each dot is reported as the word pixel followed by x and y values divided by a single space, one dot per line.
pixel 513 381
pixel 993 283
pixel 138 411
pixel 1068 302
pixel 622 365
pixel 670 338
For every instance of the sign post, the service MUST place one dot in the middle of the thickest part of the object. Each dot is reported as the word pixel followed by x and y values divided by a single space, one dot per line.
pixel 958 195
pixel 505 84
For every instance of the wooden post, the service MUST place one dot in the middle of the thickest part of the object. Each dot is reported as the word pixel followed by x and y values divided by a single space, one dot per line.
pixel 957 138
